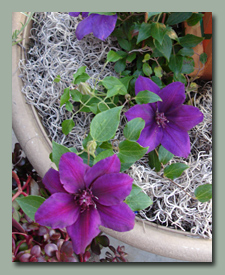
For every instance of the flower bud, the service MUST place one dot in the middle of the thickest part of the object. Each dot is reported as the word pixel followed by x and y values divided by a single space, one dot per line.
pixel 84 88
pixel 91 145
pixel 127 97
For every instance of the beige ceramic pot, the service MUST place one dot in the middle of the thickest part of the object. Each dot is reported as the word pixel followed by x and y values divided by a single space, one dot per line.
pixel 37 147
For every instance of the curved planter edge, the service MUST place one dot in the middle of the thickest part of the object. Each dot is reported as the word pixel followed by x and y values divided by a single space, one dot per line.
pixel 37 147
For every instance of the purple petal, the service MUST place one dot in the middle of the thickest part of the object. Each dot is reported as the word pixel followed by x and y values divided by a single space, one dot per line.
pixel 58 211
pixel 74 14
pixel 104 166
pixel 173 95
pixel 117 217
pixel 186 117
pixel 85 14
pixel 84 229
pixel 52 182
pixel 176 140
pixel 103 25
pixel 72 171
pixel 144 111
pixel 151 137
pixel 85 27
pixel 111 189
pixel 144 83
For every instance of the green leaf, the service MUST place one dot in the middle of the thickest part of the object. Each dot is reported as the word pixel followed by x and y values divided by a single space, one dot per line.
pixel 131 57
pixel 150 14
pixel 144 32
pixel 133 129
pixel 125 166
pixel 65 96
pixel 124 44
pixel 175 63
pixel 30 205
pixel 178 17
pixel 164 155
pixel 203 58
pixel 158 71
pixel 67 126
pixel 79 71
pixel 188 65
pixel 174 170
pixel 81 78
pixel 166 47
pixel 203 192
pixel 147 70
pixel 76 95
pixel 186 52
pixel 172 34
pixel 130 151
pixel 104 154
pixel 146 96
pixel 114 86
pixel 126 80
pixel 190 40
pixel 138 200
pixel 113 56
pixel 154 161
pixel 104 125
pixel 106 145
pixel 57 79
pixel 69 106
pixel 158 31
pixel 120 66
pixel 57 151
pixel 146 57
pixel 194 19
pixel 180 77
pixel 157 81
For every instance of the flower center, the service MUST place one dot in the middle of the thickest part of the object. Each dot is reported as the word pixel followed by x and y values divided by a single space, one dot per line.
pixel 161 119
pixel 84 199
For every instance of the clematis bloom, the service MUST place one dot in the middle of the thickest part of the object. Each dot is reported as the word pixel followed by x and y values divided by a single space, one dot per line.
pixel 83 198
pixel 101 25
pixel 167 122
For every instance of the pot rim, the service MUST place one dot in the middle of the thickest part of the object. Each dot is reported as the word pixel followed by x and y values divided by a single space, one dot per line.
pixel 36 145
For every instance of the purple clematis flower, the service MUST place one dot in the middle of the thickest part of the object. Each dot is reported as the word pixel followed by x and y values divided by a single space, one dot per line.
pixel 83 197
pixel 167 122
pixel 101 25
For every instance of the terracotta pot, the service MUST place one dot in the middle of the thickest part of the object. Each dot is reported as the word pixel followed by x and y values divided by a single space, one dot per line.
pixel 202 28
pixel 37 147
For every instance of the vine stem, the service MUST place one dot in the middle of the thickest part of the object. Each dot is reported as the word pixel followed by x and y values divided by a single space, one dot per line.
pixel 20 189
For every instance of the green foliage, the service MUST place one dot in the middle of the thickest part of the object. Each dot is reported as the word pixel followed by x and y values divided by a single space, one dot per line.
pixel 164 155
pixel 30 205
pixel 146 96
pixel 104 125
pixel 203 58
pixel 178 17
pixel 153 161
pixel 190 40
pixel 174 170
pixel 138 200
pixel 194 19
pixel 203 193
pixel 67 126
pixel 131 151
pixel 133 129
pixel 113 56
